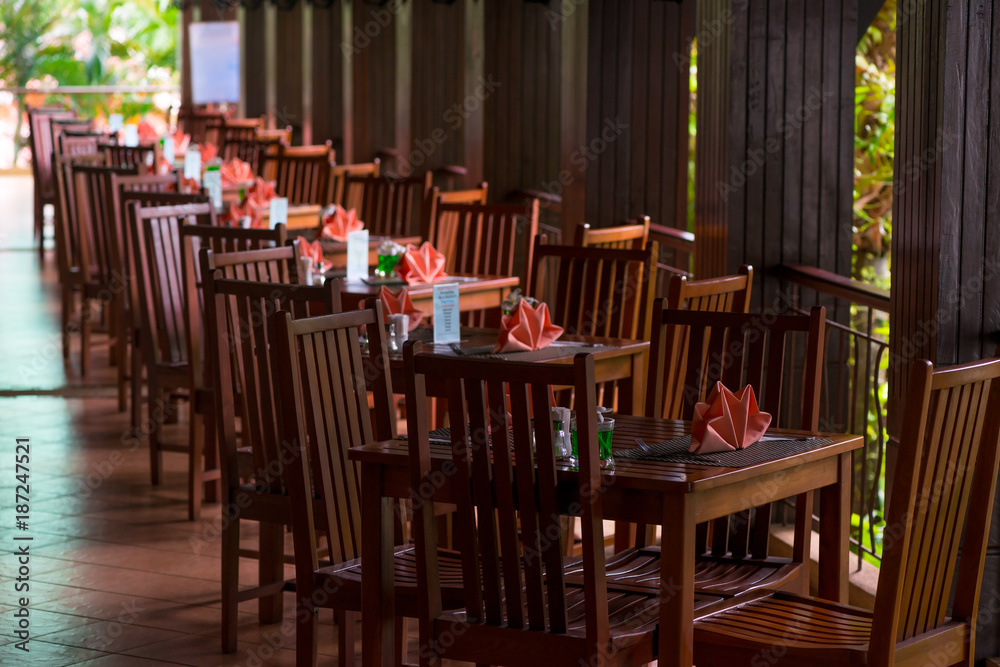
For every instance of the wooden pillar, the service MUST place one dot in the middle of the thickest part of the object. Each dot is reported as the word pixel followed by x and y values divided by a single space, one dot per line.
pixel 774 154
pixel 946 242
pixel 326 61
pixel 254 26
pixel 288 70
pixel 573 99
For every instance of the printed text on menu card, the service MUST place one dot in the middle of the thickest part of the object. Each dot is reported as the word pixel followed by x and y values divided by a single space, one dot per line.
pixel 447 328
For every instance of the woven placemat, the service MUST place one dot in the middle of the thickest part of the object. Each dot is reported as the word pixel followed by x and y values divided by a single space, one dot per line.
pixel 676 451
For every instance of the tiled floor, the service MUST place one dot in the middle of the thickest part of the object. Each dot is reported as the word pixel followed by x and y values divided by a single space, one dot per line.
pixel 118 575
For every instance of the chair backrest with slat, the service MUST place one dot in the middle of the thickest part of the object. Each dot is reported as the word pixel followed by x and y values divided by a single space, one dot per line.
pixel 198 123
pixel 718 295
pixel 148 190
pixel 61 126
pixel 393 206
pixel 68 229
pixel 79 143
pixel 325 412
pixel 144 157
pixel 342 196
pixel 100 250
pixel 631 236
pixel 739 349
pixel 303 173
pixel 157 250
pixel 943 496
pixel 596 291
pixel 238 325
pixel 237 137
pixel 40 126
pixel 512 569
pixel 486 239
pixel 441 198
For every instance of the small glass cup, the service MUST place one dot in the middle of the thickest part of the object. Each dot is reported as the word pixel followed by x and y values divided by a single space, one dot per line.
pixel 388 257
pixel 605 433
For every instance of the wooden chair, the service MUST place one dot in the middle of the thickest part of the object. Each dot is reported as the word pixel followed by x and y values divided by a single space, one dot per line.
pixel 244 383
pixel 738 349
pixel 237 137
pixel 351 198
pixel 198 123
pixel 440 197
pixel 718 295
pixel 486 239
pixel 123 191
pixel 946 478
pixel 97 277
pixel 324 412
pixel 302 173
pixel 624 237
pixel 40 128
pixel 393 206
pixel 156 241
pixel 143 157
pixel 523 602
pixel 79 143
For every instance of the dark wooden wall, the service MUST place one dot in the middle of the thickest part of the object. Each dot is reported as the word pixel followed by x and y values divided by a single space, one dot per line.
pixel 288 82
pixel 254 60
pixel 327 115
pixel 945 249
pixel 775 148
pixel 635 160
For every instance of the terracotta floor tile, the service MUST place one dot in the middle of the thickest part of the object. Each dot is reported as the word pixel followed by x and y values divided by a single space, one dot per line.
pixel 44 654
pixel 116 636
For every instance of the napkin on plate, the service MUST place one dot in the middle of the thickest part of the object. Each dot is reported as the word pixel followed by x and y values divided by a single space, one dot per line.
pixel 189 186
pixel 399 303
pixel 234 172
pixel 727 421
pixel 146 132
pixel 253 206
pixel 261 192
pixel 421 265
pixel 314 251
pixel 340 223
pixel 527 328
pixel 181 142
pixel 209 151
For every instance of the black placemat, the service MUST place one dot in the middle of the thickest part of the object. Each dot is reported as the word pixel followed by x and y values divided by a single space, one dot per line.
pixel 676 451
pixel 553 351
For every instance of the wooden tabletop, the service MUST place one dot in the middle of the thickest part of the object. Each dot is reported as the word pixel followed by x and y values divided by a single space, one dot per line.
pixel 474 292
pixel 335 252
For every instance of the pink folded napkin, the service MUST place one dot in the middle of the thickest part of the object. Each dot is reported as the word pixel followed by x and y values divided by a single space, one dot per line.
pixel 727 421
pixel 209 151
pixel 235 172
pixel 189 185
pixel 256 202
pixel 421 265
pixel 162 166
pixel 340 223
pixel 399 303
pixel 314 251
pixel 527 328
pixel 261 192
pixel 181 142
pixel 146 132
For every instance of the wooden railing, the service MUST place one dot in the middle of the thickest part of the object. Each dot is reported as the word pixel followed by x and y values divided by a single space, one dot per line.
pixel 854 384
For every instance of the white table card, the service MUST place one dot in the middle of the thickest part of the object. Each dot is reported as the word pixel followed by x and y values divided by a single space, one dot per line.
pixel 213 184
pixel 168 149
pixel 115 122
pixel 279 211
pixel 192 164
pixel 447 328
pixel 131 135
pixel 357 255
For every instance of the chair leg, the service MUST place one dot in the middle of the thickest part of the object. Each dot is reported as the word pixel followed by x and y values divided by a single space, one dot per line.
pixel 155 414
pixel 230 578
pixel 121 360
pixel 306 624
pixel 213 487
pixel 136 380
pixel 346 621
pixel 196 463
pixel 400 641
pixel 271 568
pixel 85 331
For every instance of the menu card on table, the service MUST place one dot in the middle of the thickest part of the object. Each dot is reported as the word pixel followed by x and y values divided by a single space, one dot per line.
pixel 168 149
pixel 192 164
pixel 213 184
pixel 447 328
pixel 131 135
pixel 279 211
pixel 115 122
pixel 357 255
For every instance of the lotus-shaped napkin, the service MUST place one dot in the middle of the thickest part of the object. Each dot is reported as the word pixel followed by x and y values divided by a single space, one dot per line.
pixel 340 223
pixel 146 132
pixel 314 251
pixel 209 151
pixel 253 206
pixel 527 328
pixel 421 265
pixel 234 172
pixel 190 186
pixel 181 142
pixel 399 303
pixel 261 192
pixel 727 421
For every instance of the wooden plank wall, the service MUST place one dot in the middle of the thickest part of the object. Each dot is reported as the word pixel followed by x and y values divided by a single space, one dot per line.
pixel 254 80
pixel 780 76
pixel 328 78
pixel 635 159
pixel 946 243
pixel 288 68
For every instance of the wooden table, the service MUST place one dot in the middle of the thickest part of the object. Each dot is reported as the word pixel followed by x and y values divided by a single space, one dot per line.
pixel 676 496
pixel 474 292
pixel 620 359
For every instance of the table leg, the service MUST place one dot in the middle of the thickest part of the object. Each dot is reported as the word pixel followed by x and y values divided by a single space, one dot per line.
pixel 834 536
pixel 378 615
pixel 631 399
pixel 677 583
